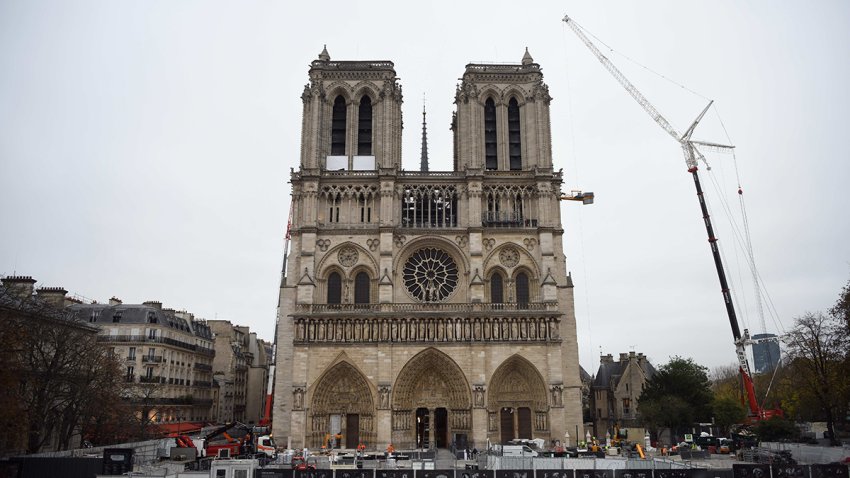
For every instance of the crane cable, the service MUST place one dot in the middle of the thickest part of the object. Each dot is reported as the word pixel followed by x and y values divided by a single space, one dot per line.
pixel 587 281
pixel 627 58
pixel 761 291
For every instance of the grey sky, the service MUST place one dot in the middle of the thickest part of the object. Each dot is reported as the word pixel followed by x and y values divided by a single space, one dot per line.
pixel 145 147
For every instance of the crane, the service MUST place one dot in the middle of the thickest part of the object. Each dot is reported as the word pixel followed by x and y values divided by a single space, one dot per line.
pixel 692 156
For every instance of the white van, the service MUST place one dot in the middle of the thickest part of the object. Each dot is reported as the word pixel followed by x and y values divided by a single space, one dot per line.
pixel 517 450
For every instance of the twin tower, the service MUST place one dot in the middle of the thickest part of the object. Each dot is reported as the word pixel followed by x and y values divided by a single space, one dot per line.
pixel 425 308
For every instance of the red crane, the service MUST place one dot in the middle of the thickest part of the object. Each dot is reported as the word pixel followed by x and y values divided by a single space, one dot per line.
pixel 692 155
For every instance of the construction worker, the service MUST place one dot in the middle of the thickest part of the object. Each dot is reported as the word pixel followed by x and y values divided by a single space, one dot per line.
pixel 390 449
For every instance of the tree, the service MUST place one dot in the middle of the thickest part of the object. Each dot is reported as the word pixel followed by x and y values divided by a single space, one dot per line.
pixel 818 352
pixel 775 429
pixel 728 411
pixel 63 377
pixel 841 310
pixel 677 396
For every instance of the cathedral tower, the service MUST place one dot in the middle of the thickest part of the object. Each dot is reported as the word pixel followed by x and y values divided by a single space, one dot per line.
pixel 424 307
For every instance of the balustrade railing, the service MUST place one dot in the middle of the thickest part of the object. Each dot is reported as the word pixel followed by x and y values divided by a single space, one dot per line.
pixel 469 307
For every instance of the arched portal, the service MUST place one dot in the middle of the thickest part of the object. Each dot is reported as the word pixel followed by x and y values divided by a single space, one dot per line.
pixel 342 409
pixel 431 403
pixel 517 402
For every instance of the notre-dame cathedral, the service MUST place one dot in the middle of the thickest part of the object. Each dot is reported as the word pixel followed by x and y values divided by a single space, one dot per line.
pixel 420 308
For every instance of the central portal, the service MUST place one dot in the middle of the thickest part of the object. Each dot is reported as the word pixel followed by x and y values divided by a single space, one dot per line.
pixel 431 402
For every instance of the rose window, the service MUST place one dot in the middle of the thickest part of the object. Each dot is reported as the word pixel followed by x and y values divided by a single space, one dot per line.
pixel 430 275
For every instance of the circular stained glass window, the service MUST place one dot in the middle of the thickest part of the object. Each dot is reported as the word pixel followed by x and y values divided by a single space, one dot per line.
pixel 430 275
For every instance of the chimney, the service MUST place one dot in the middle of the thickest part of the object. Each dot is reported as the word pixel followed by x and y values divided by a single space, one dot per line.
pixel 607 358
pixel 115 301
pixel 55 296
pixel 624 357
pixel 20 286
pixel 153 303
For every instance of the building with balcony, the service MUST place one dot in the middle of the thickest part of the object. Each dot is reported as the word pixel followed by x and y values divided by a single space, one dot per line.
pixel 167 357
pixel 424 308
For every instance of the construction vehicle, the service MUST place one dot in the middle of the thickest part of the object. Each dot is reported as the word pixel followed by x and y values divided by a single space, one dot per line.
pixel 692 156
pixel 248 442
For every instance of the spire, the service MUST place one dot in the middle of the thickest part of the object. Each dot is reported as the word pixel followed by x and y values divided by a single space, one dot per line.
pixel 423 166
pixel 324 56
pixel 526 59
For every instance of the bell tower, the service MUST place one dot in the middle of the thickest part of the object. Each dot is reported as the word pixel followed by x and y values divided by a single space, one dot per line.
pixel 351 116
pixel 502 120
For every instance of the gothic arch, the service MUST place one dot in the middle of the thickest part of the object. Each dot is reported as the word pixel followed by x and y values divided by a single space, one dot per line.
pixel 341 390
pixel 516 92
pixel 433 241
pixel 335 89
pixel 517 401
pixel 430 387
pixel 488 281
pixel 431 379
pixel 517 383
pixel 364 260
pixel 366 88
pixel 492 92
pixel 525 261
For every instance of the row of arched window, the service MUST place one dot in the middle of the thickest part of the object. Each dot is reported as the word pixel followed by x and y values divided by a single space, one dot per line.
pixel 499 286
pixel 339 126
pixel 491 127
pixel 362 288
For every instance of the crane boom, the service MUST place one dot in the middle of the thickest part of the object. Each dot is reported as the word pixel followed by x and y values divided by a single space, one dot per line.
pixel 618 75
pixel 692 154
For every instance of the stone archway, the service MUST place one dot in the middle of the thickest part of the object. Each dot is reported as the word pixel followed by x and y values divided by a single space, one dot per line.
pixel 342 405
pixel 517 405
pixel 432 405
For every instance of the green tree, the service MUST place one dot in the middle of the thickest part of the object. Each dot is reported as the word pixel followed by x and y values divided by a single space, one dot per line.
pixel 728 411
pixel 677 396
pixel 775 429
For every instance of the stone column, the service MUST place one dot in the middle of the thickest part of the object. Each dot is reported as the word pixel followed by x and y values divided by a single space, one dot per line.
pixel 431 427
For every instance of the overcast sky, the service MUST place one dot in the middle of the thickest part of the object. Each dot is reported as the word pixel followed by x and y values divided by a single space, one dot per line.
pixel 145 148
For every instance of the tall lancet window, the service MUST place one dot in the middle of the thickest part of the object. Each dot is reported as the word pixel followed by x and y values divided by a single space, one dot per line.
pixel 490 159
pixel 334 288
pixel 338 127
pixel 496 289
pixel 364 128
pixel 522 292
pixel 361 288
pixel 514 144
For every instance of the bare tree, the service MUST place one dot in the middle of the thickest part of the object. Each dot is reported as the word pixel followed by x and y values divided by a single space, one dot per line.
pixel 62 375
pixel 818 352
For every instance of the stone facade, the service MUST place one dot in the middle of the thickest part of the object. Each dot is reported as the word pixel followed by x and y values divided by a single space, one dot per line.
pixel 422 308
pixel 615 390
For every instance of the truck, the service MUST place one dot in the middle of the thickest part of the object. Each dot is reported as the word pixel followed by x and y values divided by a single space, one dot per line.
pixel 518 450
pixel 249 442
